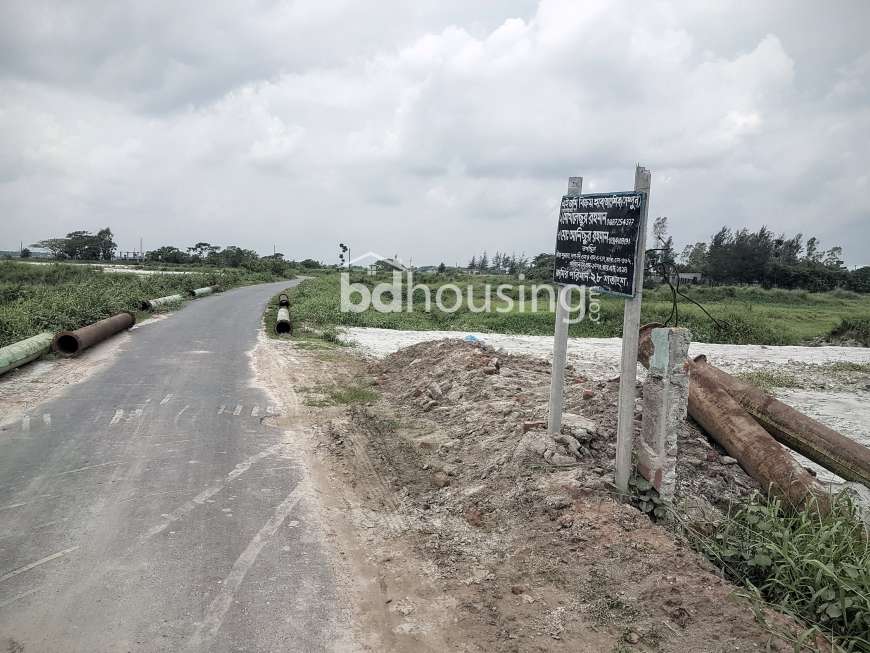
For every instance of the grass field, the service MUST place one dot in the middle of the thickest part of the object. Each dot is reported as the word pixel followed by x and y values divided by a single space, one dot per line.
pixel 52 297
pixel 745 315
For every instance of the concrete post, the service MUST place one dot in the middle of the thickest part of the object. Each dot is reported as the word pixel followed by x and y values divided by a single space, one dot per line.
pixel 560 338
pixel 665 401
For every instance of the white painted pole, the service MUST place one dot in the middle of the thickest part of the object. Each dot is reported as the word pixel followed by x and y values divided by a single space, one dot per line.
pixel 630 326
pixel 560 338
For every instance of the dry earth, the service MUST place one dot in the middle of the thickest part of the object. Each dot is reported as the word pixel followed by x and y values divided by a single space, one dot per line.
pixel 463 526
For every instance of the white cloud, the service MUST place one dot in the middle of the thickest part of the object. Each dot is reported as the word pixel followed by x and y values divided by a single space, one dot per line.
pixel 432 133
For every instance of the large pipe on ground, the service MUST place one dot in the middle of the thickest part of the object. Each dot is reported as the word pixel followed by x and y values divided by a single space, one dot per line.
pixel 24 351
pixel 151 304
pixel 282 325
pixel 283 300
pixel 720 415
pixel 71 343
pixel 202 292
pixel 834 451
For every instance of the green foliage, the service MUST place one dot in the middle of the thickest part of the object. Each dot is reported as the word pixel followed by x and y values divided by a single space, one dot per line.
pixel 852 329
pixel 745 315
pixel 815 565
pixel 340 395
pixel 56 296
pixel 767 380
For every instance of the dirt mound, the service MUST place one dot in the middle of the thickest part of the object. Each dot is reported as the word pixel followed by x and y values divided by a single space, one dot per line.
pixel 494 406
pixel 519 531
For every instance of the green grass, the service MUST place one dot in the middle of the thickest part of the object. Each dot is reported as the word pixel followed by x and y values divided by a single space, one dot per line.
pixel 745 315
pixel 815 566
pixel 340 395
pixel 767 380
pixel 848 366
pixel 58 296
pixel 852 328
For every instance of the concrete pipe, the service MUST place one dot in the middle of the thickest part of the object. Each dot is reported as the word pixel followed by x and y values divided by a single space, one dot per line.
pixel 24 351
pixel 151 304
pixel 283 323
pixel 202 292
pixel 70 343
pixel 283 300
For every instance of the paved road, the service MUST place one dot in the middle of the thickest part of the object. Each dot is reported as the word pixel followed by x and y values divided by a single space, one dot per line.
pixel 150 509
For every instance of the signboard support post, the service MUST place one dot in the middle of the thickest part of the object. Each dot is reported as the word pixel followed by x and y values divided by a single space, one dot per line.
pixel 630 327
pixel 560 338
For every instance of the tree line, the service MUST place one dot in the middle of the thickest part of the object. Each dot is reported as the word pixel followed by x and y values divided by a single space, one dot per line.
pixel 86 246
pixel 741 256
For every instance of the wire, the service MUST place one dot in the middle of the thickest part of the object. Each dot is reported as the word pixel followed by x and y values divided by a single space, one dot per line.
pixel 666 270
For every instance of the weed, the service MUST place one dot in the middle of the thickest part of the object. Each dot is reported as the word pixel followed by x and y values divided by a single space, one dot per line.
pixel 769 379
pixel 812 564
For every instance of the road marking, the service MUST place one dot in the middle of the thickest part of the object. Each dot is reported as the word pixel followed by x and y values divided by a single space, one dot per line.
pixel 46 419
pixel 255 411
pixel 222 409
pixel 32 565
pixel 181 412
pixel 25 423
pixel 117 417
pixel 210 491
pixel 217 609
pixel 238 410
pixel 87 467
pixel 166 399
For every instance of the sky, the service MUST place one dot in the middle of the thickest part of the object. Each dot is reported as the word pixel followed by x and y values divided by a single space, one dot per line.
pixel 431 129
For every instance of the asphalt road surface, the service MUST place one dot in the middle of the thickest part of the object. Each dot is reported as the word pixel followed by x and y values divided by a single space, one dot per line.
pixel 152 508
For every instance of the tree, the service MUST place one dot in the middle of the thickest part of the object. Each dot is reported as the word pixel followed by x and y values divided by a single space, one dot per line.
pixel 202 250
pixel 694 257
pixel 168 254
pixel 483 263
pixel 813 254
pixel 56 246
pixel 442 268
pixel 472 265
pixel 106 244
pixel 25 253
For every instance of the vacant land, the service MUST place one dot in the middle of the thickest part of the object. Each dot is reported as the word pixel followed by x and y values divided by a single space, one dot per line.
pixel 740 315
pixel 51 297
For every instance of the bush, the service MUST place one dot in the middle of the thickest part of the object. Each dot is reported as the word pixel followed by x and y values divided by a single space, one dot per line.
pixel 852 329
pixel 813 565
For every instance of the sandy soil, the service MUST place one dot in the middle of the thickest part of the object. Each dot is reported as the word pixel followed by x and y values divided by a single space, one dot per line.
pixel 837 399
pixel 465 527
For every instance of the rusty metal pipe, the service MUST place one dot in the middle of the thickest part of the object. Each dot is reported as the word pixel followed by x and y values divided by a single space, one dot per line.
pixel 833 451
pixel 822 445
pixel 742 437
pixel 71 343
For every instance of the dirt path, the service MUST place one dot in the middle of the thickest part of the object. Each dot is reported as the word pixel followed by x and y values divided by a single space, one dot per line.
pixel 455 545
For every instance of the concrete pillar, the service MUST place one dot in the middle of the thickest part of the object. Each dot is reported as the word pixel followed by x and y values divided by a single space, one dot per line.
pixel 665 401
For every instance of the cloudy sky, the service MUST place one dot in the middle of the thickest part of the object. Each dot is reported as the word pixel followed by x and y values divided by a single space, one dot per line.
pixel 432 129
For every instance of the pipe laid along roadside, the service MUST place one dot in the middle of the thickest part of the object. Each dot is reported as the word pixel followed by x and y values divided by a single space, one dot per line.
pixel 202 292
pixel 282 324
pixel 24 351
pixel 71 343
pixel 151 304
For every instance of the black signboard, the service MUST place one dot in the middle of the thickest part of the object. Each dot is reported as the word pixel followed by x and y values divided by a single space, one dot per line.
pixel 596 242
